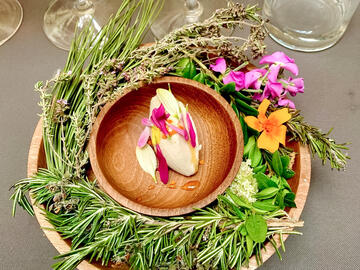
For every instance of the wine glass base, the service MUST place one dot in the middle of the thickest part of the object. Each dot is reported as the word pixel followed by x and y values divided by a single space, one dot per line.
pixel 175 15
pixel 66 17
pixel 11 16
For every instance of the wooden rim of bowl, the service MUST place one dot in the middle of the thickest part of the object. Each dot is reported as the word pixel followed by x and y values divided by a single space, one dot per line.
pixel 36 160
pixel 165 212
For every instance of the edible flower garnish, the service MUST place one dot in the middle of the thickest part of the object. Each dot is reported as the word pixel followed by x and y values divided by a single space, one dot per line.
pixel 147 160
pixel 272 128
pixel 173 137
pixel 220 65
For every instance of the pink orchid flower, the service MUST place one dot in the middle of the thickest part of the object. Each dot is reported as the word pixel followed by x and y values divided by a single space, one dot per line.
pixel 220 65
pixel 252 78
pixel 238 77
pixel 281 60
pixel 158 118
pixel 294 86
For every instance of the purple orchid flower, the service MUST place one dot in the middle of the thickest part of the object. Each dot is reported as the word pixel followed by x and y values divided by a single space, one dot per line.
pixel 252 78
pixel 238 77
pixel 163 167
pixel 220 65
pixel 158 118
pixel 280 59
pixel 294 86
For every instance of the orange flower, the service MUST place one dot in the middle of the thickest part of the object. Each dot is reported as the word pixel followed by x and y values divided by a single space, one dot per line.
pixel 272 128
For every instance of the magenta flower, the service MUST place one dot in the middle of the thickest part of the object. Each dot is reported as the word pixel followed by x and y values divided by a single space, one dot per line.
pixel 238 77
pixel 294 86
pixel 220 65
pixel 158 118
pixel 282 60
pixel 285 102
pixel 272 89
pixel 191 130
pixel 163 167
pixel 252 78
pixel 180 131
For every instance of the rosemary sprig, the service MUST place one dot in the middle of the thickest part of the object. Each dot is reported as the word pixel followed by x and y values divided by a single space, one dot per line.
pixel 320 144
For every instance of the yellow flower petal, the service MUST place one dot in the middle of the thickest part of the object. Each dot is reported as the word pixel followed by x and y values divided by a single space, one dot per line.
pixel 266 141
pixel 281 116
pixel 254 123
pixel 264 106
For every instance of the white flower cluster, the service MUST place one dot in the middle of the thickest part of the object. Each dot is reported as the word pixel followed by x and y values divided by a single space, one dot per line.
pixel 244 184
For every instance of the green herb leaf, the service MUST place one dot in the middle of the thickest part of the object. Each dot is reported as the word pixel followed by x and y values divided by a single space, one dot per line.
pixel 289 199
pixel 238 201
pixel 266 205
pixel 246 108
pixel 276 163
pixel 288 173
pixel 255 156
pixel 189 71
pixel 267 193
pixel 285 160
pixel 264 181
pixel 241 96
pixel 228 88
pixel 200 77
pixel 250 145
pixel 260 169
pixel 256 227
pixel 244 129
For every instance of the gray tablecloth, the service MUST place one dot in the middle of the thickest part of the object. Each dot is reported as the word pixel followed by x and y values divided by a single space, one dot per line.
pixel 331 237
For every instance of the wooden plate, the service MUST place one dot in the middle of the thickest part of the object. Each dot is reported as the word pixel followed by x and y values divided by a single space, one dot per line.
pixel 299 183
pixel 116 131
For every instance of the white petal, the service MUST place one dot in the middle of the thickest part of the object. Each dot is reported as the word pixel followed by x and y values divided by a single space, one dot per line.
pixel 168 100
pixel 147 160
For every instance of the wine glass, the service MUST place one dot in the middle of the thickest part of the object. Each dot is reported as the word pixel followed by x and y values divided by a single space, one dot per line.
pixel 64 18
pixel 177 13
pixel 11 15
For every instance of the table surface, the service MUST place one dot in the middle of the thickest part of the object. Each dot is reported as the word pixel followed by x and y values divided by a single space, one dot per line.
pixel 332 99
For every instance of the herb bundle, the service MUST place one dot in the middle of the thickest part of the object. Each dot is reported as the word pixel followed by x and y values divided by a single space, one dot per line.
pixel 224 235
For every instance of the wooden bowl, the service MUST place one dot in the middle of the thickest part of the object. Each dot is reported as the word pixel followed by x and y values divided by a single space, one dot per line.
pixel 300 184
pixel 116 131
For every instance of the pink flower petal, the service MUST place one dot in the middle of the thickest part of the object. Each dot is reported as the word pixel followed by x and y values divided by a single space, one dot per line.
pixel 178 130
pixel 252 78
pixel 293 68
pixel 186 137
pixel 285 102
pixel 191 131
pixel 276 57
pixel 274 89
pixel 273 72
pixel 235 76
pixel 146 122
pixel 144 137
pixel 163 167
pixel 158 117
pixel 220 65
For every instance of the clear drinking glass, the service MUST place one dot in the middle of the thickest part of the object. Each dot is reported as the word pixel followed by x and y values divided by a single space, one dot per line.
pixel 177 13
pixel 308 25
pixel 11 15
pixel 64 17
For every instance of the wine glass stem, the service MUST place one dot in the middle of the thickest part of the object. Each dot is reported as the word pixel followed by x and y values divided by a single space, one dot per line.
pixel 193 11
pixel 84 5
pixel 192 4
